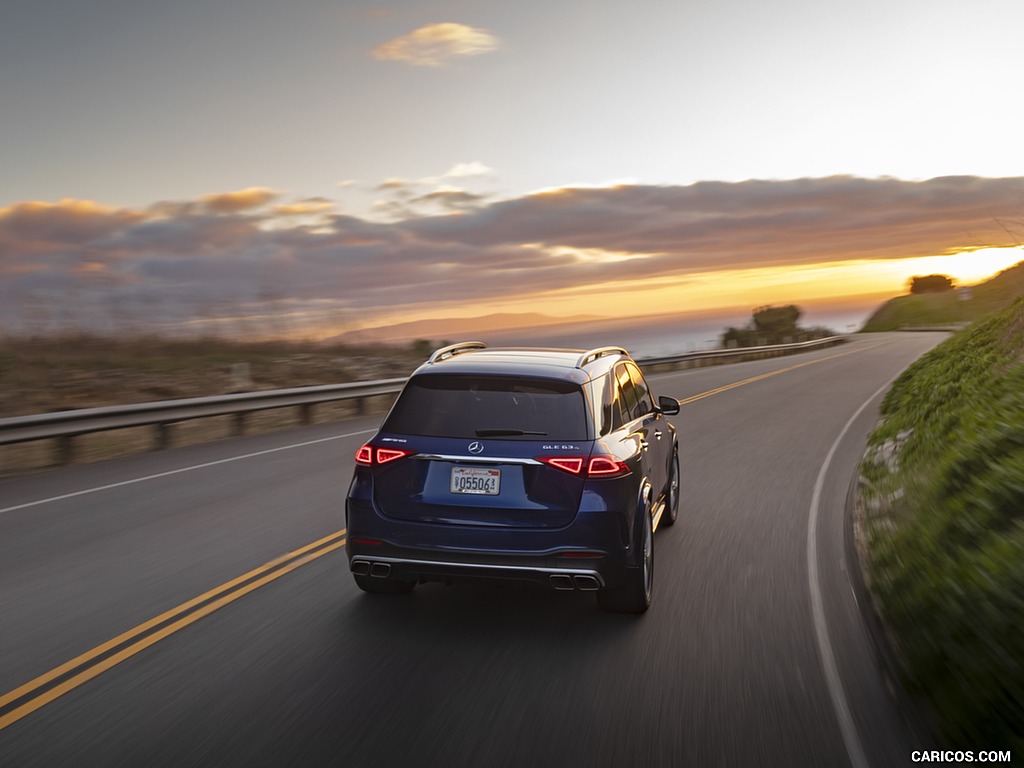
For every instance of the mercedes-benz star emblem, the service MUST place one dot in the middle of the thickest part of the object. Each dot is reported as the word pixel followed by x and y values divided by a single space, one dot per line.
pixel 476 447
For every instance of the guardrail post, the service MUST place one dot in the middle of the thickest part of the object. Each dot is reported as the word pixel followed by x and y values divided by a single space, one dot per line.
pixel 163 436
pixel 65 449
pixel 306 413
pixel 361 406
pixel 238 428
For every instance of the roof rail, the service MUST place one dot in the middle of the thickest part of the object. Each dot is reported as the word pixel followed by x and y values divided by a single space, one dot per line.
pixel 455 349
pixel 594 354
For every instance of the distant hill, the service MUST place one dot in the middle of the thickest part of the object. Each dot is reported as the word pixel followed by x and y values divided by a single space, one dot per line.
pixel 449 327
pixel 947 308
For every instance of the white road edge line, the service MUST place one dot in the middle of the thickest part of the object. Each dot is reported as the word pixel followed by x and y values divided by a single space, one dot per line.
pixel 180 470
pixel 828 661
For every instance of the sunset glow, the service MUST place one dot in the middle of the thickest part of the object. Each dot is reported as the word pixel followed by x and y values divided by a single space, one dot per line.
pixel 867 283
pixel 250 262
pixel 967 267
pixel 422 161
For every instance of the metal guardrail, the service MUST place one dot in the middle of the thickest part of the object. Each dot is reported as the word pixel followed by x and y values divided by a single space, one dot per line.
pixel 950 328
pixel 64 426
pixel 744 353
pixel 164 414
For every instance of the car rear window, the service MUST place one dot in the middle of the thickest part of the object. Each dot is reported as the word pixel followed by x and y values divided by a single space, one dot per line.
pixel 498 407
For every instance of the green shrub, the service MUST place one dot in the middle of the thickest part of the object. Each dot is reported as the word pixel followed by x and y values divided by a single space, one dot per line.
pixel 948 563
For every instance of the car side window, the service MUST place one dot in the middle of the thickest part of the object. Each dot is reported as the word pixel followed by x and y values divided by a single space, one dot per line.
pixel 615 406
pixel 627 394
pixel 643 392
pixel 601 393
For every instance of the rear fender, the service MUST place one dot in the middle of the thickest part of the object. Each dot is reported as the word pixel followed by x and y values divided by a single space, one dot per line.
pixel 642 511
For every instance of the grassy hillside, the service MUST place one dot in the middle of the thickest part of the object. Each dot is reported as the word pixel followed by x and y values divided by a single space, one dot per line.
pixel 946 528
pixel 946 308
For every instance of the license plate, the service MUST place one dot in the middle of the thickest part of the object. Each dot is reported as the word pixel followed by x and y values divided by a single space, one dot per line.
pixel 485 482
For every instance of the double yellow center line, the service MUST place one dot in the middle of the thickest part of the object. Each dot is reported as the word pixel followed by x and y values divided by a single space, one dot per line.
pixel 37 693
pixel 42 690
pixel 752 379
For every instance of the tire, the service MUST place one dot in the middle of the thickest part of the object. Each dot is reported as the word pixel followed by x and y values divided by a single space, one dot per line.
pixel 375 586
pixel 634 596
pixel 671 512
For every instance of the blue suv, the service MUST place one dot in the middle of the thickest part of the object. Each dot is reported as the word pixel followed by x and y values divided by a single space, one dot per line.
pixel 547 465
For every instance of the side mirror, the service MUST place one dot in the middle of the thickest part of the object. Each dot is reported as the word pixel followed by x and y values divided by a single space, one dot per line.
pixel 668 405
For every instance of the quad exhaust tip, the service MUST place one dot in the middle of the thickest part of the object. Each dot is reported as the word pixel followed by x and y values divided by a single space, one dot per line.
pixel 377 570
pixel 586 583
pixel 565 582
pixel 562 581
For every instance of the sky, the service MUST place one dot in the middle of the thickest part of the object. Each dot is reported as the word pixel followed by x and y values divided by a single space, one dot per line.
pixel 310 167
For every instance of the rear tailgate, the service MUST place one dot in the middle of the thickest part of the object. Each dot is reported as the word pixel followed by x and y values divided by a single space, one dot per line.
pixel 495 483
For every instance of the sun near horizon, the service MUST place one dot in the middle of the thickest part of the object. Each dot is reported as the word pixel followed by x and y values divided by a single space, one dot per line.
pixel 846 285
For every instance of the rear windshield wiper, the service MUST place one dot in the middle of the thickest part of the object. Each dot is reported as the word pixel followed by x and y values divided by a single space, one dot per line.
pixel 507 433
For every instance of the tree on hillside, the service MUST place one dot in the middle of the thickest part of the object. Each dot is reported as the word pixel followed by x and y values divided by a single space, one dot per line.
pixel 776 321
pixel 772 325
pixel 931 284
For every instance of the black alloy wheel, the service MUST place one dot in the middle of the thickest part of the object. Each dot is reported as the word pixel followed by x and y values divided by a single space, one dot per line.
pixel 634 596
pixel 671 513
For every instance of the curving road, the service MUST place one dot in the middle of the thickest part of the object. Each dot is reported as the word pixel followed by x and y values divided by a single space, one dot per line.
pixel 168 609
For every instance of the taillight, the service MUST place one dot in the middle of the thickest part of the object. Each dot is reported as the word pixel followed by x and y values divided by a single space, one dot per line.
pixel 571 464
pixel 364 456
pixel 598 466
pixel 369 455
pixel 384 455
pixel 606 466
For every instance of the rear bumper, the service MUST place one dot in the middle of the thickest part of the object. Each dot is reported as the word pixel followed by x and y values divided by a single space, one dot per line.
pixel 590 553
pixel 415 569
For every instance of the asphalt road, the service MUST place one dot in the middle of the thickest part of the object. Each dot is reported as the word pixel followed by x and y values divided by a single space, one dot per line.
pixel 753 652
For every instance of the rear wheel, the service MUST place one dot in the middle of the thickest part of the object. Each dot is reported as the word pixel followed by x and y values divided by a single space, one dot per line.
pixel 672 493
pixel 377 586
pixel 634 596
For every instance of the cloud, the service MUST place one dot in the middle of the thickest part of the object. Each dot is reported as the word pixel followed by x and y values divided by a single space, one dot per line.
pixel 412 198
pixel 39 224
pixel 180 264
pixel 396 184
pixel 452 199
pixel 405 202
pixel 461 170
pixel 243 199
pixel 436 44
pixel 311 205
pixel 753 223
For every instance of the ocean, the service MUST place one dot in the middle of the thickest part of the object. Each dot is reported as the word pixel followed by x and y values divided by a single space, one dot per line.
pixel 658 336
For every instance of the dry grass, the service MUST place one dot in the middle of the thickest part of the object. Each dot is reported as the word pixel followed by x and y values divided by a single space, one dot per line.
pixel 45 375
